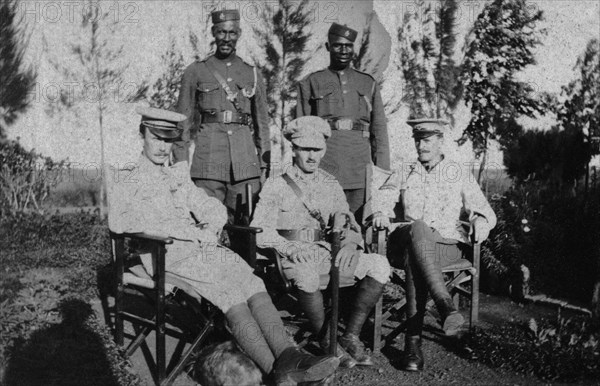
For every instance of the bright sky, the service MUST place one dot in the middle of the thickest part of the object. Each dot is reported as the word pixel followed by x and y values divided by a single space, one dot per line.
pixel 146 27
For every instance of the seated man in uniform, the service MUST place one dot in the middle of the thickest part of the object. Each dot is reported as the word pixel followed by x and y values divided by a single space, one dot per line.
pixel 438 197
pixel 292 210
pixel 162 199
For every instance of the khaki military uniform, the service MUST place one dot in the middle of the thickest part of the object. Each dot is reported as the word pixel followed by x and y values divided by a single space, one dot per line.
pixel 231 144
pixel 351 102
pixel 280 211
pixel 160 200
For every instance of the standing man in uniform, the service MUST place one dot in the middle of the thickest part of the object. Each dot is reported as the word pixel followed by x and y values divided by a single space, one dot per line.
pixel 350 101
pixel 225 102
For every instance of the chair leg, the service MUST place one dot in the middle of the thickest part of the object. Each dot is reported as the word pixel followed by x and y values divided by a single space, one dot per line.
pixel 455 296
pixel 119 250
pixel 185 358
pixel 475 286
pixel 377 326
pixel 161 365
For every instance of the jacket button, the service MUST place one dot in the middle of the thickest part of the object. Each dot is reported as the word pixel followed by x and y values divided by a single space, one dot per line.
pixel 229 132
pixel 229 79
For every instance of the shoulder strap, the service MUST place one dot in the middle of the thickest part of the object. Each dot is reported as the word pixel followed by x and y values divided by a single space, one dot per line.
pixel 231 96
pixel 298 192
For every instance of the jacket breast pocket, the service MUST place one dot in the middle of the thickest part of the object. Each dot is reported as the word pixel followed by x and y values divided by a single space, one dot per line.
pixel 324 104
pixel 364 106
pixel 209 96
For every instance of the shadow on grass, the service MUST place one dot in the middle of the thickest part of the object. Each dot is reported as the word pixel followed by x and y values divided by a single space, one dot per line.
pixel 69 353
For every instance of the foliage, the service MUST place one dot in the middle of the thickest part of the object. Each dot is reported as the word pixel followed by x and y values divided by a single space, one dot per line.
pixel 16 79
pixel 554 235
pixel 26 177
pixel 581 109
pixel 77 242
pixel 164 91
pixel 566 350
pixel 427 41
pixel 283 38
pixel 556 157
pixel 500 46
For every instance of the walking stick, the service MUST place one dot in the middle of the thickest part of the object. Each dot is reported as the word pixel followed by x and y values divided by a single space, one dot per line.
pixel 339 220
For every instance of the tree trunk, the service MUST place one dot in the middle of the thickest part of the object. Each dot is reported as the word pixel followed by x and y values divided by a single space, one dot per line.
pixel 483 161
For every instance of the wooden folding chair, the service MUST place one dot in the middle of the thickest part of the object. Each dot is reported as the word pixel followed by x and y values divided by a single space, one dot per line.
pixel 463 271
pixel 190 318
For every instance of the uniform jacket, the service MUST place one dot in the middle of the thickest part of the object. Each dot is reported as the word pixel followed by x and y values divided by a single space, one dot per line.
pixel 161 200
pixel 223 149
pixel 447 198
pixel 279 207
pixel 347 94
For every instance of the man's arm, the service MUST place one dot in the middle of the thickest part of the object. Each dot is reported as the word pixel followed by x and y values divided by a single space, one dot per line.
pixel 481 215
pixel 260 115
pixel 186 105
pixel 380 148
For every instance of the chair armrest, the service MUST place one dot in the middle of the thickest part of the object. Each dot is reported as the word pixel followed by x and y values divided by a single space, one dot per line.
pixel 242 228
pixel 275 258
pixel 144 236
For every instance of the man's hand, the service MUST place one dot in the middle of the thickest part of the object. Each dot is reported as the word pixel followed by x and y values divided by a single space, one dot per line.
pixel 480 229
pixel 207 236
pixel 347 257
pixel 381 221
pixel 299 255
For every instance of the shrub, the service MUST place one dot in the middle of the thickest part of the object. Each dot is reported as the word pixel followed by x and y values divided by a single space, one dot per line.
pixel 25 177
pixel 552 234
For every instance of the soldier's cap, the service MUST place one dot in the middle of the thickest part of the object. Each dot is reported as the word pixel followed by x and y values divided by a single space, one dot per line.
pixel 343 31
pixel 426 127
pixel 308 131
pixel 162 123
pixel 225 15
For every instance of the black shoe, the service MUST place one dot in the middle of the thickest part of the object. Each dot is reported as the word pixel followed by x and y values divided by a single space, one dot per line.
pixel 346 360
pixel 413 356
pixel 294 366
pixel 356 349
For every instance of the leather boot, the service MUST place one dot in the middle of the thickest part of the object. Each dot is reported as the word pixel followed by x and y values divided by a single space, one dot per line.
pixel 413 356
pixel 346 360
pixel 294 366
pixel 369 292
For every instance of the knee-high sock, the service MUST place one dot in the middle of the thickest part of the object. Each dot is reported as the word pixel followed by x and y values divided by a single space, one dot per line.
pixel 249 336
pixel 312 305
pixel 369 292
pixel 424 259
pixel 416 300
pixel 270 323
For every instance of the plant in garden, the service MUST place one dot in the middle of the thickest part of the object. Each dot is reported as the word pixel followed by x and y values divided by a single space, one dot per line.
pixel 499 46
pixel 427 41
pixel 17 80
pixel 283 37
pixel 26 177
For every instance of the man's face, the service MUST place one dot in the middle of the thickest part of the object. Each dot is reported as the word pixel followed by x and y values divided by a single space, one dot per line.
pixel 226 35
pixel 341 51
pixel 307 158
pixel 156 149
pixel 429 148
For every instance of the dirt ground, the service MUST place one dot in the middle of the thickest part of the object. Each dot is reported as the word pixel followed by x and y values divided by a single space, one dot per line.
pixel 445 362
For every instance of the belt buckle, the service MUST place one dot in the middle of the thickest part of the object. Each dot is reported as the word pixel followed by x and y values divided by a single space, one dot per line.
pixel 227 116
pixel 344 124
pixel 307 234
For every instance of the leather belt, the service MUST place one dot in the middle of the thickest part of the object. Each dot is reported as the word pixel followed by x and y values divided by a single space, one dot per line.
pixel 348 124
pixel 306 234
pixel 226 116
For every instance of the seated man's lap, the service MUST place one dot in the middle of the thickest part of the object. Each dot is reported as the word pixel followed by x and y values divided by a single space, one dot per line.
pixel 432 243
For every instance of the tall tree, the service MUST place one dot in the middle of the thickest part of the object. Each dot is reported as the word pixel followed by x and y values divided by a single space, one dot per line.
pixel 500 46
pixel 16 79
pixel 283 37
pixel 580 111
pixel 427 40
pixel 99 53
